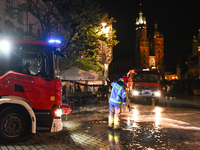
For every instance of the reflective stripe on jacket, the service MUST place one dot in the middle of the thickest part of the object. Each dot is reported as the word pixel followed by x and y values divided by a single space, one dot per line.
pixel 118 94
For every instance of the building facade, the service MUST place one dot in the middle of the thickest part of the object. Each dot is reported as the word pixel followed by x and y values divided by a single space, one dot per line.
pixel 23 24
pixel 10 25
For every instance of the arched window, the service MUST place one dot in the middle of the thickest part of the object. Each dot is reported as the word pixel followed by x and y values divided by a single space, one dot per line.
pixel 158 43
pixel 20 17
pixel 159 51
pixel 30 26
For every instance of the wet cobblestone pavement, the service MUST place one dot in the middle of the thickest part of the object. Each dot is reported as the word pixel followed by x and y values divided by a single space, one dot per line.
pixel 144 128
pixel 89 131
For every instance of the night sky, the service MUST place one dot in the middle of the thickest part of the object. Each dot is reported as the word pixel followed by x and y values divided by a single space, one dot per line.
pixel 178 21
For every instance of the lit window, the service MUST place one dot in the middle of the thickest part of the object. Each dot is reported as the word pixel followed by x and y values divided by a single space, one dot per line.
pixel 198 48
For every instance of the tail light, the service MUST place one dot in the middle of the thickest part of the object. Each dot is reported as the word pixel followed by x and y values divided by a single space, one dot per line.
pixel 56 112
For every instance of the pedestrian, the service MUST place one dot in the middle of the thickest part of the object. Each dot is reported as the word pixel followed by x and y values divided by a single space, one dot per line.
pixel 117 96
pixel 168 91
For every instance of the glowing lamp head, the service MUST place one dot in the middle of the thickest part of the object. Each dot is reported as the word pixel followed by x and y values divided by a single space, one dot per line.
pixel 4 46
pixel 54 41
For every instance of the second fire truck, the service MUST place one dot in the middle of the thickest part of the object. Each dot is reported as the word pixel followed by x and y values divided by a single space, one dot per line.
pixel 144 84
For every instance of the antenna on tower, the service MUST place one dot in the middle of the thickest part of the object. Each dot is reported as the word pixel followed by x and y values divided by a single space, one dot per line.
pixel 140 7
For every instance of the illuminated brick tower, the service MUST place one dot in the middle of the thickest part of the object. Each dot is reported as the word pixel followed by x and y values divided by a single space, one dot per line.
pixel 157 49
pixel 149 53
pixel 142 43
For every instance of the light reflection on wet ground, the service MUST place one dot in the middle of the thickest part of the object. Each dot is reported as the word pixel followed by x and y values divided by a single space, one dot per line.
pixel 180 102
pixel 146 127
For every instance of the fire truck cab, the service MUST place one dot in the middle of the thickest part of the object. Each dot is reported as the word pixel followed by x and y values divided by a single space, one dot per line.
pixel 144 84
pixel 30 93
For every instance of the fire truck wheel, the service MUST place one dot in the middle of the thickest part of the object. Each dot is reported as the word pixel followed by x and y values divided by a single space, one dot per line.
pixel 14 124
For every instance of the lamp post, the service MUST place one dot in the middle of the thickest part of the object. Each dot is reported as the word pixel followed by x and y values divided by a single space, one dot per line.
pixel 105 31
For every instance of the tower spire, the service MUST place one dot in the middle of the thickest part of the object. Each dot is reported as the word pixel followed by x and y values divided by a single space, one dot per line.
pixel 141 19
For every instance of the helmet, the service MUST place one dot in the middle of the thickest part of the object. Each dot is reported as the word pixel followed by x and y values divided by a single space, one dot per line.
pixel 124 79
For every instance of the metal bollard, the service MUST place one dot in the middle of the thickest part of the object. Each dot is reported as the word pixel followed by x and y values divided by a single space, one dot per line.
pixel 153 102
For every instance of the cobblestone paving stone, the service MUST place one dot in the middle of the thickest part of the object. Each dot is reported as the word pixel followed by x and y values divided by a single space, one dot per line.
pixel 87 130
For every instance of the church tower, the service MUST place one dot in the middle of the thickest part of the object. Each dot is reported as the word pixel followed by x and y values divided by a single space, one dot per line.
pixel 157 48
pixel 149 53
pixel 141 43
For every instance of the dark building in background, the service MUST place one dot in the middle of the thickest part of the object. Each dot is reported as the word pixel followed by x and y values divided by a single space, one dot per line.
pixel 194 60
pixel 148 52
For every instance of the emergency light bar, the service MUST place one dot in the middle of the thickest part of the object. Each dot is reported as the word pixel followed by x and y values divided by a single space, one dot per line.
pixel 55 41
pixel 145 69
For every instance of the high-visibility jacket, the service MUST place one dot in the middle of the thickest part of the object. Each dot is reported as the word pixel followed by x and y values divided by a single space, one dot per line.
pixel 118 94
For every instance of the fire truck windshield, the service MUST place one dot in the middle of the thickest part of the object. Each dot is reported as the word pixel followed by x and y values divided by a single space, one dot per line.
pixel 38 60
pixel 145 77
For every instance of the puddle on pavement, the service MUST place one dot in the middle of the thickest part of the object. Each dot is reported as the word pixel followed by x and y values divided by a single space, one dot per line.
pixel 141 134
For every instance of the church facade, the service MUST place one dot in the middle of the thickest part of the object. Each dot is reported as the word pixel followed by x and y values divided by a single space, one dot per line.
pixel 148 52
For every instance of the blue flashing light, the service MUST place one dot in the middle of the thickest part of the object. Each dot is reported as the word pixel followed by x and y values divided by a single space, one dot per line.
pixel 55 41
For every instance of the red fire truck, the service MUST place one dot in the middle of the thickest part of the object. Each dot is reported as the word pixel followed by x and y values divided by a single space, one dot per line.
pixel 144 84
pixel 30 93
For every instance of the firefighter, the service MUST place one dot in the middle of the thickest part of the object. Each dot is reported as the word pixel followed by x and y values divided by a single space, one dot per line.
pixel 117 96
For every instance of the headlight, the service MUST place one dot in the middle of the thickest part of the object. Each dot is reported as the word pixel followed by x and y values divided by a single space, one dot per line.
pixel 4 46
pixel 135 93
pixel 158 94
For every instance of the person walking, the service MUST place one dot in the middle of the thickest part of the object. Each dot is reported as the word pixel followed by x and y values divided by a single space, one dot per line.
pixel 117 96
